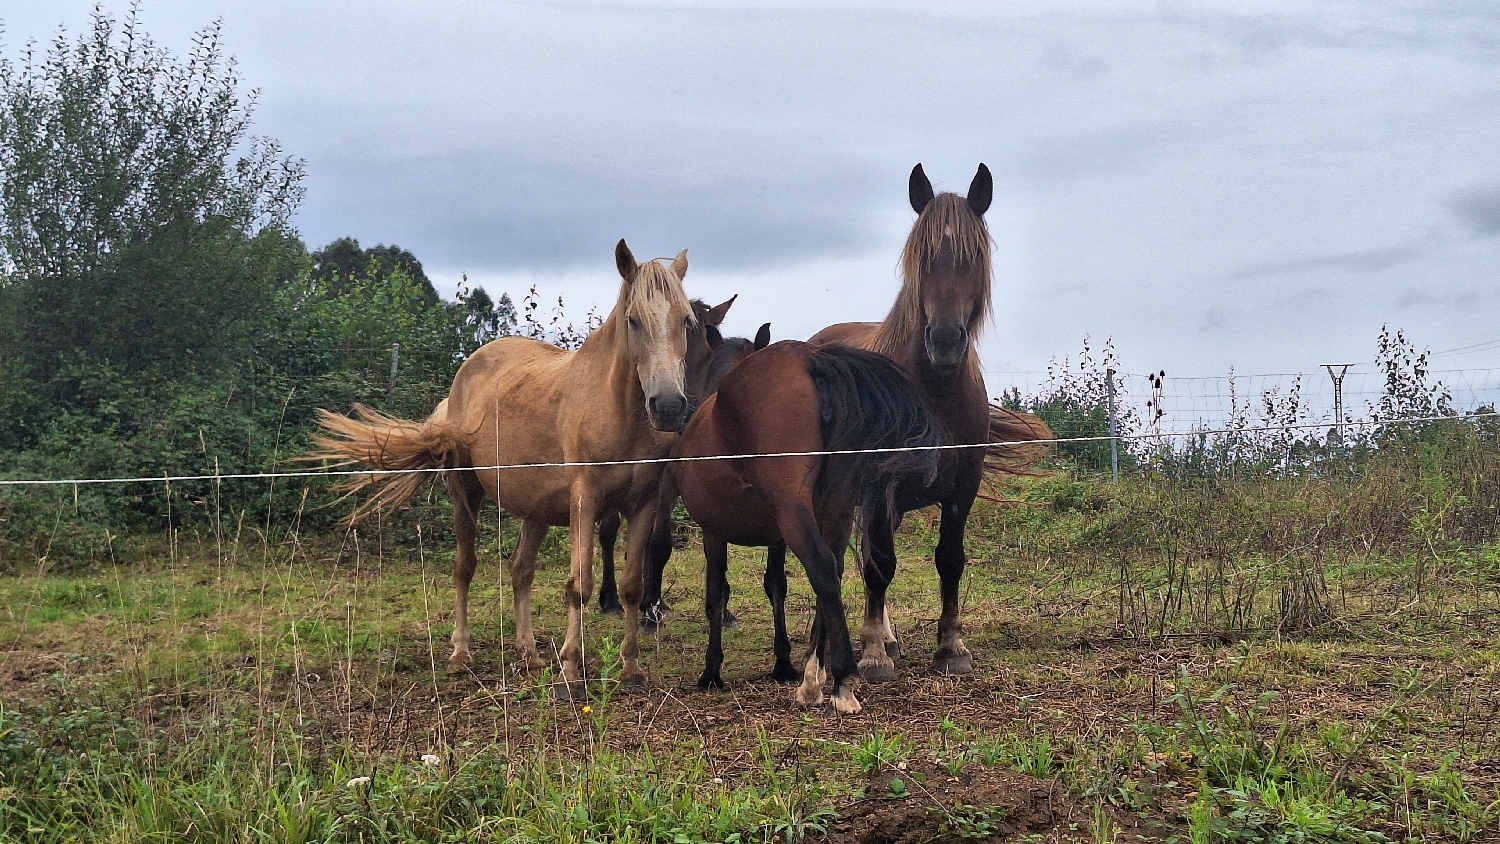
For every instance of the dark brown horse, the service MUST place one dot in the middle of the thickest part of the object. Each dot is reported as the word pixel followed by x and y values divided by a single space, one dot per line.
pixel 930 333
pixel 705 366
pixel 796 400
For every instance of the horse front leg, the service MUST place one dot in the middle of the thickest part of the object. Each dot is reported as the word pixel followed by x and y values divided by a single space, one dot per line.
pixel 654 610
pixel 582 522
pixel 638 533
pixel 951 656
pixel 876 663
pixel 715 596
pixel 609 596
pixel 774 582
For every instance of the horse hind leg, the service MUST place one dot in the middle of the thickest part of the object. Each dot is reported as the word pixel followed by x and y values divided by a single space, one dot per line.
pixel 831 651
pixel 466 494
pixel 522 573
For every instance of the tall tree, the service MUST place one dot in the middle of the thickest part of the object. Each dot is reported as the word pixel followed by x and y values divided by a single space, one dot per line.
pixel 342 262
pixel 140 223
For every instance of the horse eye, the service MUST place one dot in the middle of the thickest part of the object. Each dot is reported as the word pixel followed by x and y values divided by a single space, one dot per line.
pixel 631 321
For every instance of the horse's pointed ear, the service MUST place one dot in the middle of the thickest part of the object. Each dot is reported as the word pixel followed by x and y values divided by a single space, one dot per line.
pixel 711 332
pixel 716 314
pixel 679 265
pixel 763 337
pixel 981 191
pixel 919 189
pixel 625 261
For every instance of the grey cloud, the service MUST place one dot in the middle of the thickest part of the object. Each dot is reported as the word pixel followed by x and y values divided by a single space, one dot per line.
pixel 497 210
pixel 1366 261
pixel 1216 320
pixel 1479 207
pixel 1444 299
pixel 1105 152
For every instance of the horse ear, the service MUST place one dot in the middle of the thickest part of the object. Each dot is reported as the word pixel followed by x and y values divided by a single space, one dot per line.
pixel 711 332
pixel 716 314
pixel 625 261
pixel 679 265
pixel 919 189
pixel 981 191
pixel 763 337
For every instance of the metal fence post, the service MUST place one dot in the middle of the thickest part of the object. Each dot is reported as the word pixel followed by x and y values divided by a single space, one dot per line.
pixel 395 358
pixel 1114 443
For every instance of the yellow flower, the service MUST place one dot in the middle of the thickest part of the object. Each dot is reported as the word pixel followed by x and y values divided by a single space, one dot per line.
pixel 587 709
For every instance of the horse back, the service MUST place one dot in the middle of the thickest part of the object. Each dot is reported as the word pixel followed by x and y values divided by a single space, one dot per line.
pixel 857 334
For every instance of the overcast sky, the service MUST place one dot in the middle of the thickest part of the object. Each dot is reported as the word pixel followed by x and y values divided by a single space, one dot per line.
pixel 1254 184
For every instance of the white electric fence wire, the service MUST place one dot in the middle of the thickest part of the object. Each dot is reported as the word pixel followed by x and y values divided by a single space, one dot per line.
pixel 661 460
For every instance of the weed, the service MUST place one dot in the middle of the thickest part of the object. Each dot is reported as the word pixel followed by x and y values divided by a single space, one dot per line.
pixel 879 750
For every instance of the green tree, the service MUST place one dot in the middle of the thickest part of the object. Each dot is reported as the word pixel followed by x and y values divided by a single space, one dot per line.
pixel 342 263
pixel 140 224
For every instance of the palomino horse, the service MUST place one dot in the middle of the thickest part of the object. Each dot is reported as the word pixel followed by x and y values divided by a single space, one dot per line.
pixel 519 401
pixel 709 356
pixel 797 398
pixel 930 333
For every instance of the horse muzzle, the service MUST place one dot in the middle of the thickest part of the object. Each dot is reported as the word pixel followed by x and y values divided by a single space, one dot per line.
pixel 947 344
pixel 668 412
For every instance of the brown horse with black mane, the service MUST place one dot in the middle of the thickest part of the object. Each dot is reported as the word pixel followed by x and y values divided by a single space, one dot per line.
pixel 518 402
pixel 794 400
pixel 930 333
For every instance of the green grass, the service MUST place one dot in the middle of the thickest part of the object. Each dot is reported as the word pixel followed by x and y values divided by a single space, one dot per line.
pixel 1201 662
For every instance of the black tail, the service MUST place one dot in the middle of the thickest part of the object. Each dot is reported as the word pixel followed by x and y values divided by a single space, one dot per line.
pixel 865 402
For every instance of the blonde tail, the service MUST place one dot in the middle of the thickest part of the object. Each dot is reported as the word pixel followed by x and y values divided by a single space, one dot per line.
pixel 386 443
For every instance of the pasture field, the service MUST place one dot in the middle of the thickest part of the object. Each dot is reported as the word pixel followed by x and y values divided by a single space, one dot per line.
pixel 1281 660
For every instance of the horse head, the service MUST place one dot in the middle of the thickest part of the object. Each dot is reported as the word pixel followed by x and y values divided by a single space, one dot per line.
pixel 658 320
pixel 947 260
pixel 703 345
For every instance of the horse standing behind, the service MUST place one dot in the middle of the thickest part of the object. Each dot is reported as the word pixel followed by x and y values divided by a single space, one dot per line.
pixel 930 333
pixel 710 355
pixel 519 401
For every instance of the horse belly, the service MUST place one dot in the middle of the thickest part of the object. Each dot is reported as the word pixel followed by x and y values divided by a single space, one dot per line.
pixel 722 503
pixel 539 495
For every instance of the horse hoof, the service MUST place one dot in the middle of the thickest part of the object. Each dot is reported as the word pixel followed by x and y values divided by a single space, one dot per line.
pixel 731 621
pixel 649 625
pixel 569 691
pixel 846 704
pixel 804 697
pixel 612 610
pixel 952 662
pixel 529 663
pixel 877 670
pixel 785 673
pixel 710 681
pixel 633 678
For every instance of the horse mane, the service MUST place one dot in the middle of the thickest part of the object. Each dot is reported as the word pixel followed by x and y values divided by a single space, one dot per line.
pixel 946 230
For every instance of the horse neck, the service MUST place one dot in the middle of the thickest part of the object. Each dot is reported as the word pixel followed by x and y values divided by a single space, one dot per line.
pixel 607 350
